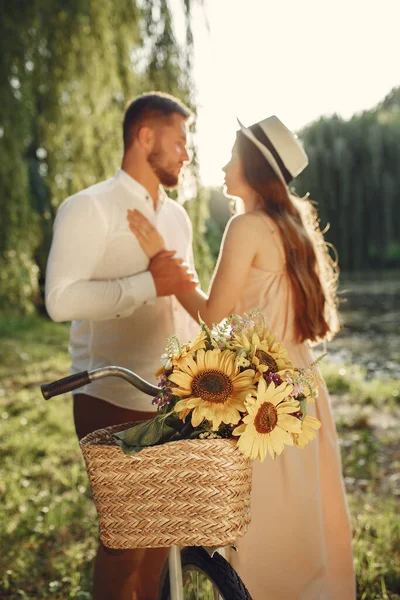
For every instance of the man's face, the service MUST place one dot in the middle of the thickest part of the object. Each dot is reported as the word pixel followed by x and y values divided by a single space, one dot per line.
pixel 169 151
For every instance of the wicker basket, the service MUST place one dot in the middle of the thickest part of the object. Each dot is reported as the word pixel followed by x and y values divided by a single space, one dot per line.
pixel 185 493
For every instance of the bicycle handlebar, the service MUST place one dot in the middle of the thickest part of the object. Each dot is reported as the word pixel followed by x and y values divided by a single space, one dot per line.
pixel 73 382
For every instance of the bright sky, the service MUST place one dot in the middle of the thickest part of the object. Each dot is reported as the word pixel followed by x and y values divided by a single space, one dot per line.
pixel 297 59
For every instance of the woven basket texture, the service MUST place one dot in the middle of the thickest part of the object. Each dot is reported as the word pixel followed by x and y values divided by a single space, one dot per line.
pixel 184 493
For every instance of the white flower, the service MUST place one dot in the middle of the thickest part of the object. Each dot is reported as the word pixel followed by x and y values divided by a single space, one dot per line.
pixel 166 361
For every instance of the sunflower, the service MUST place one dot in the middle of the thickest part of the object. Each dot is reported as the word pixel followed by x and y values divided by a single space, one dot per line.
pixel 212 386
pixel 175 355
pixel 308 431
pixel 270 423
pixel 265 353
pixel 198 343
pixel 243 338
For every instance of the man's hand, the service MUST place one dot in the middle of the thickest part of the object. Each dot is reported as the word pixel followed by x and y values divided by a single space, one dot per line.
pixel 171 275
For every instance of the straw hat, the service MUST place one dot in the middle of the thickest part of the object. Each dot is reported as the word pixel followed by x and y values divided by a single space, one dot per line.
pixel 280 147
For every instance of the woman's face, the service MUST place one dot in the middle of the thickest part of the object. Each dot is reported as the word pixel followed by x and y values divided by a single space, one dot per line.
pixel 235 180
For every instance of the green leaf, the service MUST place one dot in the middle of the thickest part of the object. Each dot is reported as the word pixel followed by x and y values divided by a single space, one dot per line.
pixel 152 432
pixel 130 450
pixel 303 406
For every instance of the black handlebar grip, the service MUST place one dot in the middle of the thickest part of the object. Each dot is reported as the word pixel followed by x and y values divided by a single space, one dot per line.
pixel 66 384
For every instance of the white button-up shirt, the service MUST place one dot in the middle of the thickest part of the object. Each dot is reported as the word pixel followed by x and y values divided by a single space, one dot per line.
pixel 97 278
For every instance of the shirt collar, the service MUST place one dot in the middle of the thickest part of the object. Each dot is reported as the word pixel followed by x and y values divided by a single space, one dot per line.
pixel 137 188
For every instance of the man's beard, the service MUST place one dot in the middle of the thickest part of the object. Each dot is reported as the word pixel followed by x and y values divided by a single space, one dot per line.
pixel 167 179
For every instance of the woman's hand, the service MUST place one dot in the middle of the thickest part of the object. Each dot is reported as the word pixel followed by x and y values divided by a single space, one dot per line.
pixel 147 235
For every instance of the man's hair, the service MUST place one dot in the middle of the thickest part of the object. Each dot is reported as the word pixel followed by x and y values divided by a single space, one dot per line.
pixel 153 105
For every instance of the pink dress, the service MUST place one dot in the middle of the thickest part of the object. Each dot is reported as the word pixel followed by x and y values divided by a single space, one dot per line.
pixel 298 544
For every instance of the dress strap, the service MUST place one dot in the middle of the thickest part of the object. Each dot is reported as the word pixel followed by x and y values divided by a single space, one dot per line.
pixel 275 235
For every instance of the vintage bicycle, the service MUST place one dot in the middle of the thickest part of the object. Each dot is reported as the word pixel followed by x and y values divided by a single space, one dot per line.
pixel 191 572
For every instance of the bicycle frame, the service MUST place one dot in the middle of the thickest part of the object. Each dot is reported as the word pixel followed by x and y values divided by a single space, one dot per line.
pixel 73 382
pixel 175 573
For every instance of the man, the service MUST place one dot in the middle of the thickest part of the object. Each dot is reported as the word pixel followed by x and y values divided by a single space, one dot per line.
pixel 121 306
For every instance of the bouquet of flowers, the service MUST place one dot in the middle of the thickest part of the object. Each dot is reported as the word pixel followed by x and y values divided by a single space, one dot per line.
pixel 234 380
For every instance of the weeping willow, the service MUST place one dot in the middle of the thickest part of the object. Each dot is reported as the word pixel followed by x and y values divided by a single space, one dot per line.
pixel 67 71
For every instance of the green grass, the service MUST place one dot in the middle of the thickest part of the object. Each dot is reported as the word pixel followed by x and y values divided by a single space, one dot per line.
pixel 351 380
pixel 376 530
pixel 48 528
pixel 47 521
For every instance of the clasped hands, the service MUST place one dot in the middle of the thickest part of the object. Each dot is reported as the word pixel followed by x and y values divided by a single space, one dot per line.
pixel 171 275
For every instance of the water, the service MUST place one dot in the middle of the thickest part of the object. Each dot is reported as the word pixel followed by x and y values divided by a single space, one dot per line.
pixel 370 317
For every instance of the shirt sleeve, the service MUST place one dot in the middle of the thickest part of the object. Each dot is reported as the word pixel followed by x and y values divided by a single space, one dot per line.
pixel 79 241
pixel 189 258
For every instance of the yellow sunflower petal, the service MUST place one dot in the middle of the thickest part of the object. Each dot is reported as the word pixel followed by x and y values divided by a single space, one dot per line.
pixel 243 379
pixel 182 379
pixel 197 417
pixel 312 422
pixel 179 377
pixel 201 360
pixel 191 366
pixel 193 402
pixel 160 371
pixel 241 395
pixel 286 438
pixel 181 405
pixel 288 407
pixel 199 342
pixel 308 432
pixel 228 363
pixel 262 386
pixel 240 429
pixel 246 443
pixel 212 358
pixel 289 423
pixel 231 415
pixel 270 447
pixel 278 394
pixel 276 439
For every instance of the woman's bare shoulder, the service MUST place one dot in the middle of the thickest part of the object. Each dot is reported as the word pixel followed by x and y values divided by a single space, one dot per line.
pixel 254 221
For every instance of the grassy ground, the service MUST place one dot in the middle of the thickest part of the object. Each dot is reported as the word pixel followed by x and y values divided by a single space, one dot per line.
pixel 47 521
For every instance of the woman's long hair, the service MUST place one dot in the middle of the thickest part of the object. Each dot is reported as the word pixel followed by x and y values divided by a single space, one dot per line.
pixel 312 271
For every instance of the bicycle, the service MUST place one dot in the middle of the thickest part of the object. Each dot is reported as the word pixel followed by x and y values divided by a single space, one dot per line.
pixel 192 572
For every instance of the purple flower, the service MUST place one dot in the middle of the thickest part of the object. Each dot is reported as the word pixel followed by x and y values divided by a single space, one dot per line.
pixel 270 377
pixel 162 380
pixel 163 397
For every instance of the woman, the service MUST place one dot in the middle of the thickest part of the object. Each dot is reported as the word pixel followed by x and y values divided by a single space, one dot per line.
pixel 273 258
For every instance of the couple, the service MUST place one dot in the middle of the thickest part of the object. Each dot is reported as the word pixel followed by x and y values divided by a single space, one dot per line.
pixel 121 269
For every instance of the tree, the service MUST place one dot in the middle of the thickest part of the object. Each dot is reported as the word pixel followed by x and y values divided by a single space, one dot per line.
pixel 353 174
pixel 18 226
pixel 67 71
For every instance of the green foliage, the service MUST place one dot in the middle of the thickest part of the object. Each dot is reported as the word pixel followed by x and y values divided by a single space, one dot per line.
pixel 18 225
pixel 376 528
pixel 213 238
pixel 353 175
pixel 48 524
pixel 157 431
pixel 67 71
pixel 351 380
pixel 198 211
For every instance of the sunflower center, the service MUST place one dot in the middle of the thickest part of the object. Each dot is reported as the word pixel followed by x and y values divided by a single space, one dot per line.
pixel 212 385
pixel 266 359
pixel 266 418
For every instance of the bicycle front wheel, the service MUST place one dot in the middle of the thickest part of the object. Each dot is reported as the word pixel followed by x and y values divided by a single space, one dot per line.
pixel 206 578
